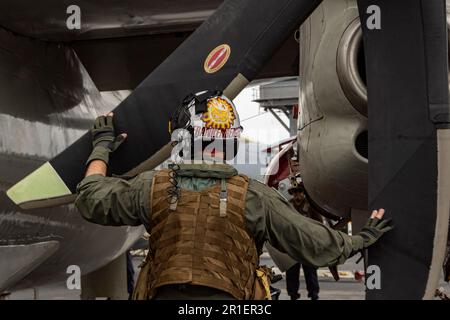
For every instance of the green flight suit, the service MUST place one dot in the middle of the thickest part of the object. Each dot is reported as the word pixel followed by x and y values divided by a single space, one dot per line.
pixel 269 216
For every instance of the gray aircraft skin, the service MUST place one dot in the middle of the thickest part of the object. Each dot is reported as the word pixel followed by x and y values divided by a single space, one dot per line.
pixel 50 93
pixel 47 102
pixel 333 120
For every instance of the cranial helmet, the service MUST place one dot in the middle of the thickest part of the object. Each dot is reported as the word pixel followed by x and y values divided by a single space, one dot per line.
pixel 211 122
pixel 296 184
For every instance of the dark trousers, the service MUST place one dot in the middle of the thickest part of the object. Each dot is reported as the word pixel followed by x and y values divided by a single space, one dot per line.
pixel 130 275
pixel 293 280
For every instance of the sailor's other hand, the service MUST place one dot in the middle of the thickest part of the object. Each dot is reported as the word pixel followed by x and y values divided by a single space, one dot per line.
pixel 375 228
pixel 104 139
pixel 103 133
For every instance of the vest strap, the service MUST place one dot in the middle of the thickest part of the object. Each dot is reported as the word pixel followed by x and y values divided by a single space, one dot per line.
pixel 173 203
pixel 223 198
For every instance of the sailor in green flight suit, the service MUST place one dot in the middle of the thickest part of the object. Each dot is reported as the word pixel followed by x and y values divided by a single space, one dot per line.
pixel 207 223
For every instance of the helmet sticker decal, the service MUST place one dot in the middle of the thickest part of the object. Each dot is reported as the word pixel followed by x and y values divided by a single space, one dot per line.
pixel 219 114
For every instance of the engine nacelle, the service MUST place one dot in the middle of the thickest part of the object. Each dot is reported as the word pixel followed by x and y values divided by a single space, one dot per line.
pixel 333 147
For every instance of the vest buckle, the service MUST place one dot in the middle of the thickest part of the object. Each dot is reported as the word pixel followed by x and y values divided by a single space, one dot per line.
pixel 173 203
pixel 223 204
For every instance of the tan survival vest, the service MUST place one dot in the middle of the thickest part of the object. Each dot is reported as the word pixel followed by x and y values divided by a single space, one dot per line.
pixel 202 240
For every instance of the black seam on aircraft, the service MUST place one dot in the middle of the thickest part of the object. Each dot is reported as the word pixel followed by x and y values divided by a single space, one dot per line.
pixel 311 122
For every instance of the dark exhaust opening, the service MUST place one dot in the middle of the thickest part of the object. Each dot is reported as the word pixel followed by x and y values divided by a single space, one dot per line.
pixel 362 144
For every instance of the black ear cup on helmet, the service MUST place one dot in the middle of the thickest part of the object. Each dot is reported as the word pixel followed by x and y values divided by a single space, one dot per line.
pixel 181 117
